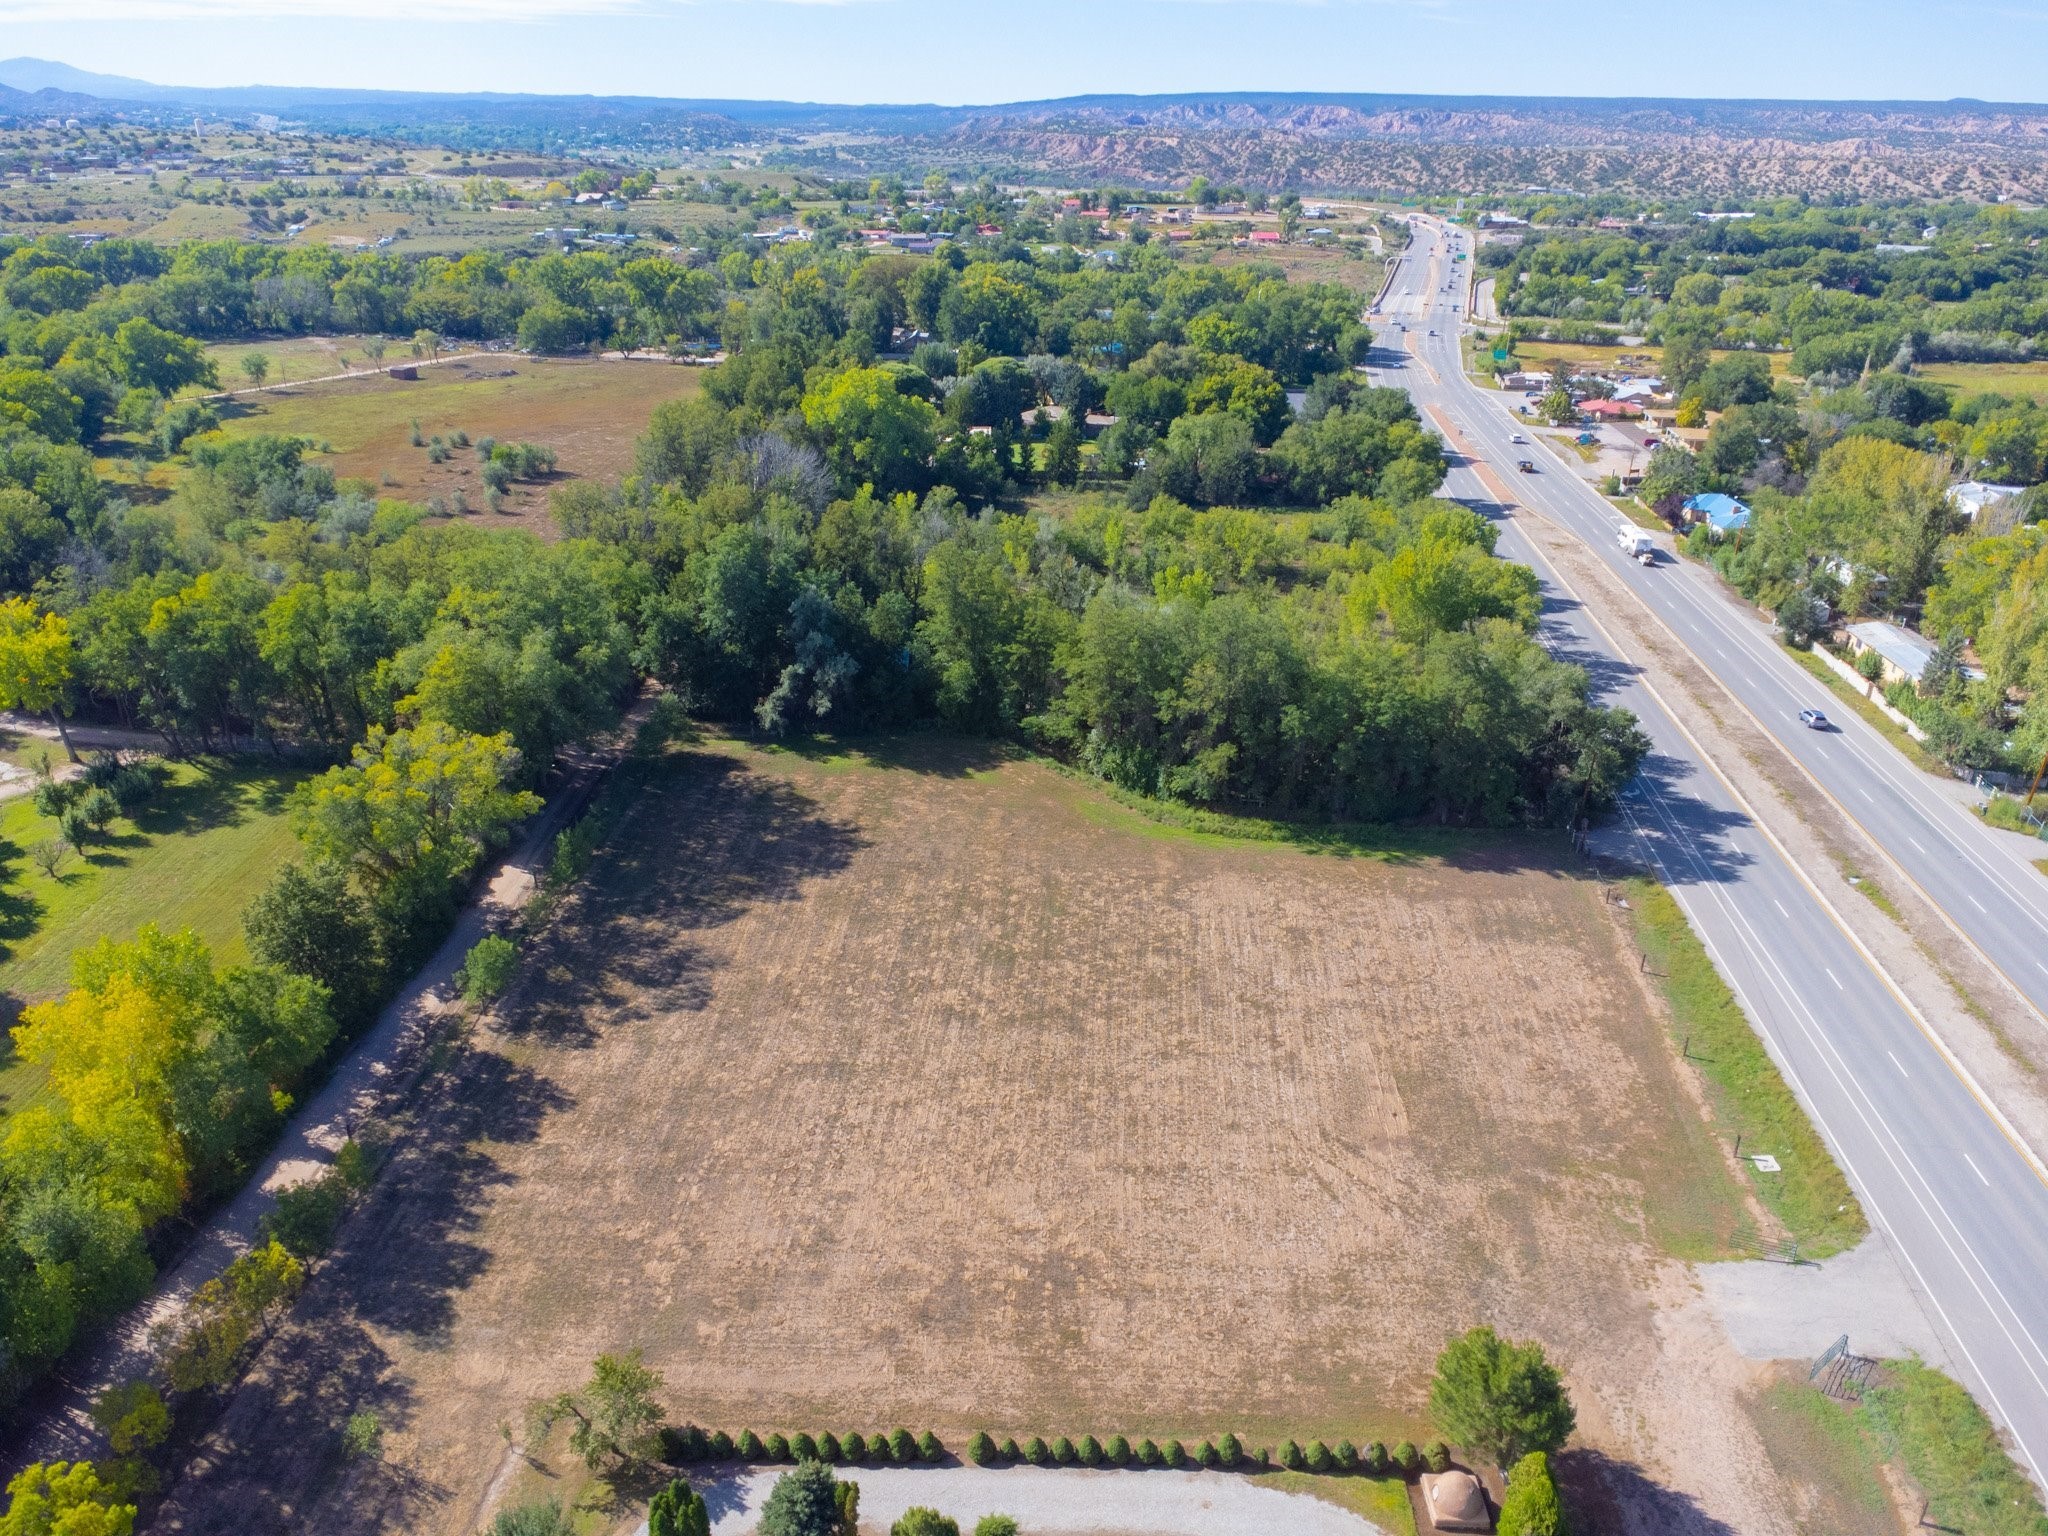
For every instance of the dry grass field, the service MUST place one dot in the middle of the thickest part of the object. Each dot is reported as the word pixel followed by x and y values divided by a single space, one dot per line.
pixel 928 1085
pixel 587 410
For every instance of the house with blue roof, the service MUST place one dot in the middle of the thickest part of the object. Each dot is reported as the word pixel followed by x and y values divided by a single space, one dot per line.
pixel 1722 514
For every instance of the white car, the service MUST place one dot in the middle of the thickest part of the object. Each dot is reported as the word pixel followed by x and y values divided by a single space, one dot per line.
pixel 1516 437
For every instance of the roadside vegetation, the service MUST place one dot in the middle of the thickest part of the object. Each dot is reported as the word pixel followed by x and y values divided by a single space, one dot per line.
pixel 1912 1424
pixel 1808 1194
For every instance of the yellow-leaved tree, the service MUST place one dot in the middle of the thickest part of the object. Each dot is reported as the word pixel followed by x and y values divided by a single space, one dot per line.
pixel 35 663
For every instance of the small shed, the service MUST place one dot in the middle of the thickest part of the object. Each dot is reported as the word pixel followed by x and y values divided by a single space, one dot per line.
pixel 1455 1501
pixel 1904 653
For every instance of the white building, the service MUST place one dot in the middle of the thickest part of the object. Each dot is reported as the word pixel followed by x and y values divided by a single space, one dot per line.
pixel 1972 497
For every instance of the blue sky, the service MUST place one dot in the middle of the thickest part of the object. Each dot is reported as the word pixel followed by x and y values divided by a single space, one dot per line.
pixel 973 50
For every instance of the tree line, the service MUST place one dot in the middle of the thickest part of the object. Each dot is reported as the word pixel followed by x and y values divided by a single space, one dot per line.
pixel 817 540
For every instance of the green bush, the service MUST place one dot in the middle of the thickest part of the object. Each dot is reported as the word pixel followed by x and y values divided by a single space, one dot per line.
pixel 721 1445
pixel 1090 1451
pixel 488 968
pixel 1407 1458
pixel 1319 1458
pixel 1171 1454
pixel 1374 1459
pixel 928 1447
pixel 1437 1456
pixel 1345 1456
pixel 540 1519
pixel 362 1437
pixel 995 1525
pixel 678 1510
pixel 803 1447
pixel 981 1450
pixel 1011 1453
pixel 1063 1451
pixel 828 1447
pixel 1036 1453
pixel 901 1447
pixel 1118 1451
pixel 750 1446
pixel 1231 1449
pixel 854 1447
pixel 776 1447
pixel 1532 1507
pixel 53 797
pixel 305 1216
pixel 683 1444
pixel 1291 1457
pixel 1148 1454
pixel 1208 1455
pixel 920 1521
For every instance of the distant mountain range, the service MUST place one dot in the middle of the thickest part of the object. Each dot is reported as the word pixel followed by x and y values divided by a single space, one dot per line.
pixel 1385 143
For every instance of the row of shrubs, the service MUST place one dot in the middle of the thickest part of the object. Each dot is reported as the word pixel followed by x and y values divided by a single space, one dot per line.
pixel 681 1446
pixel 686 1444
pixel 1228 1453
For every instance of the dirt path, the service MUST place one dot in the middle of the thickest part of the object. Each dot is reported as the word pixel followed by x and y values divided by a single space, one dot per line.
pixel 352 373
pixel 1057 1499
pixel 361 1089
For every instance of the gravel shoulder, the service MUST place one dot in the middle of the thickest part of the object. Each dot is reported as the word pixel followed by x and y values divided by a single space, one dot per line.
pixel 1056 1499
pixel 1794 1311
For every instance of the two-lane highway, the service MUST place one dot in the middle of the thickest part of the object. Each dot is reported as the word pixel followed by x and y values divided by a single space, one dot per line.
pixel 1959 1202
pixel 1977 876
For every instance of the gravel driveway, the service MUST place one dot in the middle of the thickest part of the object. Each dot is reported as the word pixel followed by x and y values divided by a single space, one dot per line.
pixel 1056 1499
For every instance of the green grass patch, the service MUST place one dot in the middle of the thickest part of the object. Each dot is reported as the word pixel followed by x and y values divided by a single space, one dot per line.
pixel 1809 1196
pixel 1126 811
pixel 1942 1438
pixel 1638 514
pixel 1382 1500
pixel 1819 1450
pixel 2007 813
pixel 191 858
pixel 2021 380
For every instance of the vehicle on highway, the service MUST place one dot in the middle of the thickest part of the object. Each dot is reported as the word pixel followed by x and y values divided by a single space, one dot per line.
pixel 1636 544
pixel 1814 720
pixel 1525 466
pixel 1432 330
pixel 1516 437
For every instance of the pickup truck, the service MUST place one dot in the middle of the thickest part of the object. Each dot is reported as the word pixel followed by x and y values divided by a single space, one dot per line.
pixel 1636 544
pixel 1526 466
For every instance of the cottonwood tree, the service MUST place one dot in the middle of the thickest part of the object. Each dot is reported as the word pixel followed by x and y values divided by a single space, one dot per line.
pixel 617 1418
pixel 35 663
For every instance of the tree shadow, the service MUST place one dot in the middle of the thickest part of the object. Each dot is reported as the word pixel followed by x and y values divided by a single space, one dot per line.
pixel 1607 1497
pixel 219 795
pixel 711 840
pixel 275 1454
pixel 413 1247
pixel 937 753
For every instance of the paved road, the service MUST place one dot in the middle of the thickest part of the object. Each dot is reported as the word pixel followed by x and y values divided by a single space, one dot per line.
pixel 1978 876
pixel 1960 1204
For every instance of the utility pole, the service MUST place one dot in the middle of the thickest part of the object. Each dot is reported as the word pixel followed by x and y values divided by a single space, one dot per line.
pixel 2037 779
